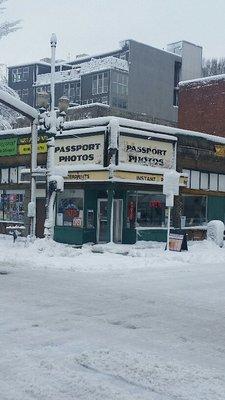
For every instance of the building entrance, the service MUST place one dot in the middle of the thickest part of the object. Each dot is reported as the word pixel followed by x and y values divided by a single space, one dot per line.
pixel 117 220
pixel 102 225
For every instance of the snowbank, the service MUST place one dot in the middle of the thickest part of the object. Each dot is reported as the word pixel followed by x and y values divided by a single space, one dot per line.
pixel 49 254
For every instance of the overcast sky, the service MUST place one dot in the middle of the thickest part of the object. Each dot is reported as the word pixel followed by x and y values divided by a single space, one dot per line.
pixel 95 26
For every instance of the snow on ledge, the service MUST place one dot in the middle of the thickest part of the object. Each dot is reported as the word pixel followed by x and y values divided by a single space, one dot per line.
pixel 202 81
pixel 94 65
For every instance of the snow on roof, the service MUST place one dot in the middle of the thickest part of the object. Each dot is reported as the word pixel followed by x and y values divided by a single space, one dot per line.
pixel 30 63
pixel 18 105
pixel 167 130
pixel 207 80
pixel 60 76
pixel 89 105
pixel 94 65
pixel 125 123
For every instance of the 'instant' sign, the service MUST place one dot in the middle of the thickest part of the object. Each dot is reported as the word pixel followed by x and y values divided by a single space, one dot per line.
pixel 80 150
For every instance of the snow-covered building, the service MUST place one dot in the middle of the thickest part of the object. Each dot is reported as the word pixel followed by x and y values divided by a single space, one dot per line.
pixel 120 164
pixel 136 78
pixel 202 104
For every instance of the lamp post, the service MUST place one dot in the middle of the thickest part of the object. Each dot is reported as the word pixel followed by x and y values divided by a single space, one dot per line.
pixel 51 123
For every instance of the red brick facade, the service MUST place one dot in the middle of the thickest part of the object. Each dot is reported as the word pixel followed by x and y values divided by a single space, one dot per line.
pixel 202 105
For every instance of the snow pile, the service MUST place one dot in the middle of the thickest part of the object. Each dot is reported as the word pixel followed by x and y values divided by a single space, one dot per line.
pixel 49 254
pixel 215 232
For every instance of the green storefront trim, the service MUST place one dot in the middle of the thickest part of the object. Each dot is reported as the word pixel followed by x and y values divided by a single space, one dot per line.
pixel 109 190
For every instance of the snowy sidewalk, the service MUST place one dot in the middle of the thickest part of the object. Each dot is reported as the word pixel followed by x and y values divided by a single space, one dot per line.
pixel 77 325
pixel 49 254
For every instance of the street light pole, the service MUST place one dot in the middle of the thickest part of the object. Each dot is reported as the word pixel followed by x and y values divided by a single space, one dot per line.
pixel 52 123
pixel 51 144
pixel 34 134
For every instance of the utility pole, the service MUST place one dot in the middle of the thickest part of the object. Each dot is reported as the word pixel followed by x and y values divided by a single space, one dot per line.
pixel 52 124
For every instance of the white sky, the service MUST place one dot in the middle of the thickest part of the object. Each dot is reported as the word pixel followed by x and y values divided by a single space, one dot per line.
pixel 95 26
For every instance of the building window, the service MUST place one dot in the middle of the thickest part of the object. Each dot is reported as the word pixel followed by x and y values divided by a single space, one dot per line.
pixel 105 100
pixel 25 93
pixel 195 210
pixel 72 92
pixel 119 89
pixel 204 183
pixel 195 179
pixel 213 181
pixel 13 175
pixel 12 206
pixel 146 210
pixel 25 73
pixel 43 91
pixel 70 207
pixel 5 175
pixel 205 180
pixel 100 83
pixel 176 97
pixel 221 183
pixel 177 70
pixel 17 74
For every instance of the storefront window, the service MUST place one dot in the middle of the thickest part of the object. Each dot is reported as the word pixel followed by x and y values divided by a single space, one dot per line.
pixel 195 210
pixel 145 210
pixel 131 210
pixel 150 210
pixel 70 207
pixel 12 206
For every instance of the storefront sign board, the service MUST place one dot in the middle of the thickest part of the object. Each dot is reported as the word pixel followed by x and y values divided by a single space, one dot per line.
pixel 80 150
pixel 220 150
pixel 146 178
pixel 87 176
pixel 25 149
pixel 141 151
pixel 177 242
pixel 8 147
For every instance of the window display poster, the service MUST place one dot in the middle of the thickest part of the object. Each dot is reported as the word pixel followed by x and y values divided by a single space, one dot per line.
pixel 70 212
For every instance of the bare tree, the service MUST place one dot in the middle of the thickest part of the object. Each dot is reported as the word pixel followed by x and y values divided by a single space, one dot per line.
pixel 213 66
pixel 7 27
pixel 7 116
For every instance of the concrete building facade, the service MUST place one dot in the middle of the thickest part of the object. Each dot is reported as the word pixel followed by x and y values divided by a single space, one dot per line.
pixel 137 77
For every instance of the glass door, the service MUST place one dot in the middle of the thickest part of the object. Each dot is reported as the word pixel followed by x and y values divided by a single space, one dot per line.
pixel 117 220
pixel 102 221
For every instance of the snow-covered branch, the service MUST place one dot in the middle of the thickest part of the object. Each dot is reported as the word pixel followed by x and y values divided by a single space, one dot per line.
pixel 7 27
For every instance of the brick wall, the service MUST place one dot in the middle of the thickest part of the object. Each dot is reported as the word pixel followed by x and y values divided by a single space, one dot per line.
pixel 202 106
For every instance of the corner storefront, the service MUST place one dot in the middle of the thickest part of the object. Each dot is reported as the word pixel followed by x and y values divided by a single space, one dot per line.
pixel 113 189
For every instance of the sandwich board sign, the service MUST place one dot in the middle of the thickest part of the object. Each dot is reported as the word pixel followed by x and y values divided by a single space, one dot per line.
pixel 177 241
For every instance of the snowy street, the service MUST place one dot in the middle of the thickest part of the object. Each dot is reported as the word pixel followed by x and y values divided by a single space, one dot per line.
pixel 79 325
